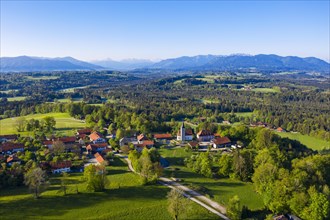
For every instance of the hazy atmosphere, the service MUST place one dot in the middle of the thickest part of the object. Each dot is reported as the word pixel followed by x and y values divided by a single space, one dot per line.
pixel 96 30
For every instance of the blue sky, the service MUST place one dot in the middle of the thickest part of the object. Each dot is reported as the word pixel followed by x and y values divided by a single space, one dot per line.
pixel 94 30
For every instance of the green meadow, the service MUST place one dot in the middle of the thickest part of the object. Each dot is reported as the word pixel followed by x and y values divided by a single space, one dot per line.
pixel 220 190
pixel 311 142
pixel 64 123
pixel 18 98
pixel 124 198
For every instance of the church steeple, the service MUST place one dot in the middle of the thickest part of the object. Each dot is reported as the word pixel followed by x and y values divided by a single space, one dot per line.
pixel 183 132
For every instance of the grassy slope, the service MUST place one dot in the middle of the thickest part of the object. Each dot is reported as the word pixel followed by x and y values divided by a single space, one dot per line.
pixel 125 198
pixel 311 142
pixel 18 98
pixel 64 123
pixel 221 190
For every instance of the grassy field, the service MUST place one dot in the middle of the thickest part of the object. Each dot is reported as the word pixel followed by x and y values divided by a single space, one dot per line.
pixel 64 123
pixel 266 90
pixel 18 98
pixel 311 142
pixel 42 77
pixel 71 90
pixel 221 190
pixel 124 198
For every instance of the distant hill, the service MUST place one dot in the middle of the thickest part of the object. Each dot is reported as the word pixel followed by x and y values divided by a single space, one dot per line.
pixel 259 62
pixel 26 63
pixel 128 64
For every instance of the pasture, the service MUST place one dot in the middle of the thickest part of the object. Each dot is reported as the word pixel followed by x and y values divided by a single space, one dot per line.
pixel 311 142
pixel 124 198
pixel 64 123
pixel 220 190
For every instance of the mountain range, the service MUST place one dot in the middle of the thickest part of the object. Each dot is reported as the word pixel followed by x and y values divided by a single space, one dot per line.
pixel 236 62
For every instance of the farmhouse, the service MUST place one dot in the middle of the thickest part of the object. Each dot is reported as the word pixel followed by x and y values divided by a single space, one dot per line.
pixel 13 159
pixel 82 133
pixel 59 167
pixel 99 158
pixel 221 142
pixel 279 129
pixel 126 141
pixel 163 138
pixel 193 144
pixel 96 147
pixel 205 135
pixel 184 134
pixel 8 137
pixel 10 147
pixel 141 137
pixel 96 137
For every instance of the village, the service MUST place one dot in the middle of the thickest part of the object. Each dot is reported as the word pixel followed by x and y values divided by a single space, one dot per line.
pixel 92 147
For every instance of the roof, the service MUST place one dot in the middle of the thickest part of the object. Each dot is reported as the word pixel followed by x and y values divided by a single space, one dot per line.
pixel 187 132
pixel 221 140
pixel 67 139
pixel 146 143
pixel 96 146
pixel 9 136
pixel 10 146
pixel 205 133
pixel 162 136
pixel 95 135
pixel 279 129
pixel 193 143
pixel 84 131
pixel 98 157
pixel 141 137
pixel 12 158
pixel 59 165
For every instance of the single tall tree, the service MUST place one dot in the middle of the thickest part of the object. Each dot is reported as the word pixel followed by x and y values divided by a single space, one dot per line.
pixel 177 203
pixel 35 178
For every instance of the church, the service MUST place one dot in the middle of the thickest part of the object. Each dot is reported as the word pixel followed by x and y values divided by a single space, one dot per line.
pixel 184 134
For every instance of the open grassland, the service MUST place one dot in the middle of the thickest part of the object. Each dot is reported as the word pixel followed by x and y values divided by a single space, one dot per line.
pixel 42 77
pixel 71 90
pixel 311 142
pixel 18 98
pixel 266 90
pixel 124 198
pixel 220 190
pixel 64 123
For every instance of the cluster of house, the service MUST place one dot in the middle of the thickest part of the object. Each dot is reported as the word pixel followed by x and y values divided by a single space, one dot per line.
pixel 93 143
pixel 266 125
pixel 204 136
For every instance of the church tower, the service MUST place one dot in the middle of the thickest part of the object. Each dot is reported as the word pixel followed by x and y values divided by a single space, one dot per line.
pixel 183 132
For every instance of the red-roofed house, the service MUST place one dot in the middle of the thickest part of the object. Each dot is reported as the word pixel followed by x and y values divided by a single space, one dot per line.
pixel 99 158
pixel 59 167
pixel 205 135
pixel 96 137
pixel 8 137
pixel 141 137
pixel 10 147
pixel 193 144
pixel 86 131
pixel 96 147
pixel 279 129
pixel 221 142
pixel 164 138
pixel 13 159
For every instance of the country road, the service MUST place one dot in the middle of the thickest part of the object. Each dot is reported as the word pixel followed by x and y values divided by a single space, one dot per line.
pixel 194 196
